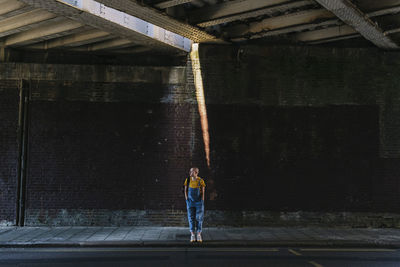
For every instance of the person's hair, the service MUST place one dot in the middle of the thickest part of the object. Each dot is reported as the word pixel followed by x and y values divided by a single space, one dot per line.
pixel 194 168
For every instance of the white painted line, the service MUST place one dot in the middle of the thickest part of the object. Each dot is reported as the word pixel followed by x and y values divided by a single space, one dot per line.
pixel 294 252
pixel 315 264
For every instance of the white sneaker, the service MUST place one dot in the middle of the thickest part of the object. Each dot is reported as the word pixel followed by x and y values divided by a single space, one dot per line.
pixel 192 238
pixel 199 239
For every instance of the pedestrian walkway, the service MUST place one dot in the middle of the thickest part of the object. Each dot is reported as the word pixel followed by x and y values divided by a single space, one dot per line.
pixel 179 236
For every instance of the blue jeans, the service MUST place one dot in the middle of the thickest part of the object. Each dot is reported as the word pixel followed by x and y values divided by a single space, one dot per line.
pixel 195 210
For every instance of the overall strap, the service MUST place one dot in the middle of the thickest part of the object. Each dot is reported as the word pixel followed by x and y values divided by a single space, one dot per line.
pixel 199 185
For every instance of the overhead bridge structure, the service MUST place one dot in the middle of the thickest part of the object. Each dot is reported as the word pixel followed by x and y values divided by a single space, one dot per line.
pixel 130 26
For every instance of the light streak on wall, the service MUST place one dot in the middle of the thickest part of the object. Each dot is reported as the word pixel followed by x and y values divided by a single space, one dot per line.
pixel 198 83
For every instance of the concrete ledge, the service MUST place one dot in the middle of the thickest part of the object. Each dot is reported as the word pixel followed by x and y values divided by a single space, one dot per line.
pixel 93 73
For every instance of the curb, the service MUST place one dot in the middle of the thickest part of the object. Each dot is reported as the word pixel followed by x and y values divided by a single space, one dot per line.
pixel 149 244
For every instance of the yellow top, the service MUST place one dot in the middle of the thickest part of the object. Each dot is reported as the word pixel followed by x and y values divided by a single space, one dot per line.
pixel 196 183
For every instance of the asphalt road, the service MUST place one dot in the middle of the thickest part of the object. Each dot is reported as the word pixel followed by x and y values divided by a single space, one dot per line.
pixel 198 256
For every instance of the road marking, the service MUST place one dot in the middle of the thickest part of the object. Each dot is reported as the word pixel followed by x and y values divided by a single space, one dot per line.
pixel 348 249
pixel 315 264
pixel 294 252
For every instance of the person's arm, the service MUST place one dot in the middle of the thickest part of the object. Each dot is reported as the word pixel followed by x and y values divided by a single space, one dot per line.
pixel 203 190
pixel 186 192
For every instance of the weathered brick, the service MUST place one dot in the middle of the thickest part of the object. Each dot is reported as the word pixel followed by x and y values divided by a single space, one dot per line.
pixel 9 103
pixel 295 134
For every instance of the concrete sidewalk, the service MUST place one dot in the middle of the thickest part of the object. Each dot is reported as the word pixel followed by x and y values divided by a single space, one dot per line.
pixel 179 236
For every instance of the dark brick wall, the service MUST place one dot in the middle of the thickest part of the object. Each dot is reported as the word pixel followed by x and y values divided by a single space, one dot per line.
pixel 107 146
pixel 106 155
pixel 106 143
pixel 286 158
pixel 295 133
pixel 310 129
pixel 149 58
pixel 9 103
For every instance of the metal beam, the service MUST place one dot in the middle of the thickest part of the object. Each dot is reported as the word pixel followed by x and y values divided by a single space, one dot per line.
pixel 77 39
pixel 296 28
pixel 385 11
pixel 171 3
pixel 229 8
pixel 42 31
pixel 132 50
pixel 121 24
pixel 302 17
pixel 332 35
pixel 340 33
pixel 335 39
pixel 16 12
pixel 2 53
pixel 110 44
pixel 158 18
pixel 327 33
pixel 371 5
pixel 259 12
pixel 312 26
pixel 197 3
pixel 392 31
pixel 211 2
pixel 9 6
pixel 14 24
pixel 351 15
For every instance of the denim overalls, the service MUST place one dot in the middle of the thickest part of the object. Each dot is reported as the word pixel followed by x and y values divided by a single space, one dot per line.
pixel 195 208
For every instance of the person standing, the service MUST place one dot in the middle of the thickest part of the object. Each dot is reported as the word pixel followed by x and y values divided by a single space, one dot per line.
pixel 194 195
